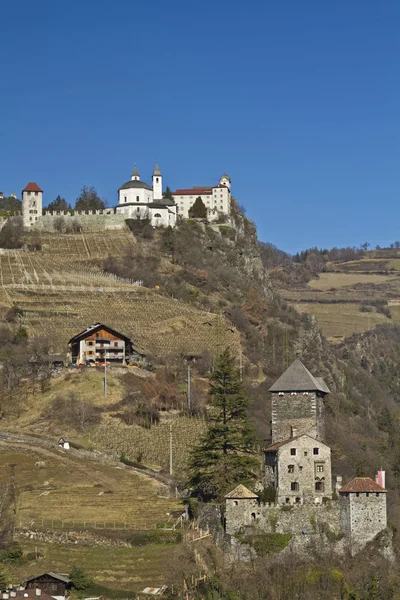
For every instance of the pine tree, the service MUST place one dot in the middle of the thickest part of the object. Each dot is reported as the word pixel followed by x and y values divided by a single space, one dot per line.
pixel 198 210
pixel 224 457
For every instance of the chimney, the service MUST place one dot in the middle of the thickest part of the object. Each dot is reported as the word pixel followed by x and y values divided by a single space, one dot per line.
pixel 380 478
pixel 38 592
pixel 293 431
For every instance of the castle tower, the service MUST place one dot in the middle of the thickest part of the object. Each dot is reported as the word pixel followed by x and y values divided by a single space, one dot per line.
pixel 157 183
pixel 135 174
pixel 362 511
pixel 297 404
pixel 226 180
pixel 32 204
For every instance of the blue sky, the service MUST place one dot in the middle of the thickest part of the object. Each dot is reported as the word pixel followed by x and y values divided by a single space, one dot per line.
pixel 297 101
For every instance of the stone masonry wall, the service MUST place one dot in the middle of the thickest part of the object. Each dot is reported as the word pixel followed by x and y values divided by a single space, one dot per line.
pixel 310 464
pixel 297 519
pixel 303 411
pixel 93 221
pixel 362 517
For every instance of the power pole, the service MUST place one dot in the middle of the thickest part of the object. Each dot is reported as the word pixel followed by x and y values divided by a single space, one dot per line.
pixel 170 449
pixel 105 373
pixel 188 389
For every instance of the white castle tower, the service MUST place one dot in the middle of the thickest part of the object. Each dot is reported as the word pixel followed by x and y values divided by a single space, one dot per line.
pixel 32 203
pixel 226 180
pixel 157 184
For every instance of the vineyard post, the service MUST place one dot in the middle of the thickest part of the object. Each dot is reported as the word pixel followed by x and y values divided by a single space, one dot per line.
pixel 188 389
pixel 170 449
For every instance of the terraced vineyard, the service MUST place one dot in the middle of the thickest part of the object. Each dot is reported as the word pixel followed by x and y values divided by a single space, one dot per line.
pixel 60 294
pixel 153 445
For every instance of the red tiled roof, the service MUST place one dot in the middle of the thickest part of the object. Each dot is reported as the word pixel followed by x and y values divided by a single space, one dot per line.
pixel 32 187
pixel 362 485
pixel 199 190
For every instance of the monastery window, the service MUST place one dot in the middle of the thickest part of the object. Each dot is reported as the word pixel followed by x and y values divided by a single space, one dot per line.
pixel 36 193
pixel 236 503
pixel 137 198
pixel 156 179
pixel 125 198
pixel 138 209
pixel 319 486
pixel 287 500
pixel 315 450
pixel 157 215
pixel 29 193
pixel 294 486
pixel 292 451
pixel 290 468
pixel 319 468
pixel 367 494
pixel 253 515
pixel 305 453
pixel 377 494
pixel 298 500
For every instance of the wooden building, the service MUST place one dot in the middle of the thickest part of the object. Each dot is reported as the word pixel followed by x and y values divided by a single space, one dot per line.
pixel 53 584
pixel 100 343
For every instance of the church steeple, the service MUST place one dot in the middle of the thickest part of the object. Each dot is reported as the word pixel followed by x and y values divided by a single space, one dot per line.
pixel 157 183
pixel 135 174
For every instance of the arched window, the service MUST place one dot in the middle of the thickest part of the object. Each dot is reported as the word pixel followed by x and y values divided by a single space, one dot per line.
pixel 157 216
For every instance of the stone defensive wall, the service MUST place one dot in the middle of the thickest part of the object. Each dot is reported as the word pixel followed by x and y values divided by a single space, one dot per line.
pixel 88 220
pixel 301 519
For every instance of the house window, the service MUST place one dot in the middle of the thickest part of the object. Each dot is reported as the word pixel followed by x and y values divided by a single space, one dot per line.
pixel 294 486
pixel 319 468
pixel 319 486
pixel 315 450
pixel 36 193
pixel 357 494
pixel 125 198
pixel 29 193
pixel 115 344
pixel 293 451
pixel 137 198
pixel 290 468
pixel 157 216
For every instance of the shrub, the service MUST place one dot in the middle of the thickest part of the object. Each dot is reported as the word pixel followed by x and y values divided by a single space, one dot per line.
pixel 79 579
pixel 59 224
pixel 269 543
pixel 11 233
pixel 71 410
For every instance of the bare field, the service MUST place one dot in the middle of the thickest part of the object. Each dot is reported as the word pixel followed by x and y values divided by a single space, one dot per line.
pixel 121 568
pixel 327 281
pixel 70 489
pixel 341 320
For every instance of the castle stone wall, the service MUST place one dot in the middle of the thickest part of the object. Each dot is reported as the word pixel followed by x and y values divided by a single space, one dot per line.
pixel 88 220
pixel 296 519
pixel 302 411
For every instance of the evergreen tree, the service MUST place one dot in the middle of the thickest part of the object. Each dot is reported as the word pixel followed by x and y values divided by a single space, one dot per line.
pixel 59 204
pixel 168 194
pixel 198 210
pixel 89 200
pixel 224 457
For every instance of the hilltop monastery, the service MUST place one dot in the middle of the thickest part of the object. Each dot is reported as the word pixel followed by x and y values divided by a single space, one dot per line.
pixel 136 199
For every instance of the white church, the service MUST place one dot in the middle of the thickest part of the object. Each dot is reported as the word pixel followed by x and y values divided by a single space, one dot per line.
pixel 137 199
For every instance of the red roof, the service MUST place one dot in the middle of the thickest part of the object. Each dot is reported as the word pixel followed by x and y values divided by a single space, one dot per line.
pixel 362 485
pixel 199 190
pixel 32 187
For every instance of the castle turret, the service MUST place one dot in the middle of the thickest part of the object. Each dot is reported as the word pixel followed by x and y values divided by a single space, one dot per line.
pixel 32 203
pixel 157 183
pixel 226 180
pixel 297 403
pixel 362 511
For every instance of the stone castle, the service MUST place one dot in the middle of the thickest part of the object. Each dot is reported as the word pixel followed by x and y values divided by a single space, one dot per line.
pixel 298 471
pixel 136 200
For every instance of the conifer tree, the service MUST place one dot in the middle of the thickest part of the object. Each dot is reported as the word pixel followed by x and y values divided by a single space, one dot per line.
pixel 224 457
pixel 198 210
